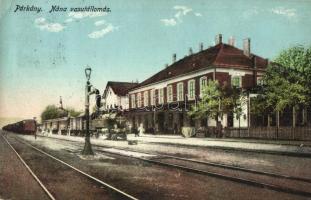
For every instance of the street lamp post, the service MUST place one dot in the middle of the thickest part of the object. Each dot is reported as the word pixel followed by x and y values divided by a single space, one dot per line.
pixel 87 150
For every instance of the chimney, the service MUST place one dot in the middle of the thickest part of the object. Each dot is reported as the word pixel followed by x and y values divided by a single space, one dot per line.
pixel 166 65
pixel 190 51
pixel 247 47
pixel 201 46
pixel 174 58
pixel 218 39
pixel 231 41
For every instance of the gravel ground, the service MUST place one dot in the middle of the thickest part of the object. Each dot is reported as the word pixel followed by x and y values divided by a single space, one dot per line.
pixel 148 181
pixel 16 181
pixel 60 180
pixel 288 165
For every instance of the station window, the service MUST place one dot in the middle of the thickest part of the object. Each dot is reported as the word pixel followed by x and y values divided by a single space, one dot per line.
pixel 191 89
pixel 203 84
pixel 236 81
pixel 161 96
pixel 169 93
pixel 180 91
pixel 139 100
pixel 133 101
pixel 146 98
pixel 152 97
pixel 260 81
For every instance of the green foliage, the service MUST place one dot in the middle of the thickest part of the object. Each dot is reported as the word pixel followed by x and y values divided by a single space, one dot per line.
pixel 209 105
pixel 52 112
pixel 287 82
pixel 73 112
pixel 298 59
pixel 217 100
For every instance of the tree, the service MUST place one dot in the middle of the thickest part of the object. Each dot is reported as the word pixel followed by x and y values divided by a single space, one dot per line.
pixel 209 106
pixel 52 112
pixel 297 59
pixel 286 83
pixel 216 101
pixel 72 112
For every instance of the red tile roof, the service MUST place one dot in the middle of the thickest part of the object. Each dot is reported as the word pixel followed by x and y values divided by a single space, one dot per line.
pixel 120 88
pixel 221 55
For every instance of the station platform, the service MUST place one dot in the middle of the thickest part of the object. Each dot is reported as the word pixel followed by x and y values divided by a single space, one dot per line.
pixel 290 148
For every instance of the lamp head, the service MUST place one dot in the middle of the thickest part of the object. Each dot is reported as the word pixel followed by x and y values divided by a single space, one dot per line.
pixel 88 71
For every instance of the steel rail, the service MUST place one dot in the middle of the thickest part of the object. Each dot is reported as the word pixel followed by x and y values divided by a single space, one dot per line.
pixel 81 172
pixel 218 175
pixel 308 180
pixel 31 172
pixel 209 173
pixel 219 165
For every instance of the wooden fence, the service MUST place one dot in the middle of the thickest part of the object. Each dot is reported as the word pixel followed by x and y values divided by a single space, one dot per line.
pixel 283 133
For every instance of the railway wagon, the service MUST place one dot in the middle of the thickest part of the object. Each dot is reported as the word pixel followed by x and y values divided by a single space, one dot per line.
pixel 27 126
pixel 76 125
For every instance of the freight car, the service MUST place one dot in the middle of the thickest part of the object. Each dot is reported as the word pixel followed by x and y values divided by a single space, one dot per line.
pixel 27 126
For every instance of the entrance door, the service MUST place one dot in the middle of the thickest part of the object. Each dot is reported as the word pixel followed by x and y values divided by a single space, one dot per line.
pixel 161 121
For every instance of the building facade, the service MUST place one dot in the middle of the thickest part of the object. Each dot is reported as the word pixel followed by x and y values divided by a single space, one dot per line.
pixel 115 95
pixel 161 102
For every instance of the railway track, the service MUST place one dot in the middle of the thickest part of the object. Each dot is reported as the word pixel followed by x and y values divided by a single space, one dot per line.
pixel 277 182
pixel 119 192
pixel 262 182
pixel 47 192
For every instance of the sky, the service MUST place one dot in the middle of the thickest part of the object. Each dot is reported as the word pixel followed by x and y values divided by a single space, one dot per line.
pixel 43 55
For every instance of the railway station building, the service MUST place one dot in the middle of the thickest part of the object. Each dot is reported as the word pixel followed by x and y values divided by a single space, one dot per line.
pixel 115 95
pixel 161 102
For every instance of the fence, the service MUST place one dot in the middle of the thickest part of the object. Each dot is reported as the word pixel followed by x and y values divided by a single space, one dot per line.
pixel 283 133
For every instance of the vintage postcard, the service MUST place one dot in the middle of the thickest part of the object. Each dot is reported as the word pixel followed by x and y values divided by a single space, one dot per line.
pixel 168 99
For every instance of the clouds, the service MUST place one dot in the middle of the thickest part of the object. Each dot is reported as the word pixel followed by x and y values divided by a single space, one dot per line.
pixel 80 15
pixel 181 12
pixel 289 13
pixel 198 14
pixel 98 34
pixel 100 22
pixel 43 24
pixel 284 12
pixel 105 27
pixel 169 22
